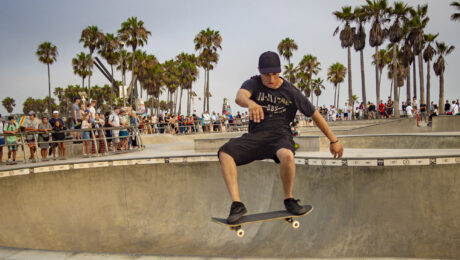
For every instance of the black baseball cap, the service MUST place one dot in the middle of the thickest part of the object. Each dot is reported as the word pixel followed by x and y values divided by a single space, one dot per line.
pixel 269 62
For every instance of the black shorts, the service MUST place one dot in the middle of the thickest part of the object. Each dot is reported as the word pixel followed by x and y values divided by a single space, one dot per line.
pixel 258 146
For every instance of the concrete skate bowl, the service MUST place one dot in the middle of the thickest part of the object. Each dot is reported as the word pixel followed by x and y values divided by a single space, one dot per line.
pixel 163 206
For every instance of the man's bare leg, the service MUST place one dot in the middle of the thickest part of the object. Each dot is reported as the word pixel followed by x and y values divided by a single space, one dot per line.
pixel 230 174
pixel 287 170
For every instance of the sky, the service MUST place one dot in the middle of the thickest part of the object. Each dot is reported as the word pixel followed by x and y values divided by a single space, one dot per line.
pixel 248 28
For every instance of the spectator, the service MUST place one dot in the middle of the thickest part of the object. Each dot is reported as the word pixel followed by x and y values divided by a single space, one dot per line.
pixel 423 112
pixel 123 131
pixel 447 106
pixel 154 123
pixel 409 110
pixel 12 128
pixel 44 137
pixel 2 140
pixel 431 107
pixel 206 121
pixel 31 126
pixel 371 110
pixel 108 133
pixel 403 106
pixel 134 122
pixel 381 109
pixel 414 105
pixel 92 110
pixel 86 124
pixel 52 122
pixel 389 108
pixel 114 121
pixel 345 111
pixel 454 109
pixel 76 116
pixel 59 137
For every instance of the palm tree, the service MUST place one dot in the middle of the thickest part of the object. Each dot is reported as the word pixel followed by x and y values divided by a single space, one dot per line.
pixel 428 54
pixel 384 58
pixel 134 34
pixel 376 10
pixel 285 48
pixel 188 72
pixel 455 16
pixel 407 57
pixel 81 65
pixel 290 73
pixel 318 86
pixel 308 66
pixel 47 53
pixel 207 42
pixel 171 80
pixel 336 75
pixel 346 39
pixel 417 40
pixel 396 33
pixel 123 67
pixel 442 50
pixel 109 51
pixel 9 103
pixel 92 38
pixel 359 43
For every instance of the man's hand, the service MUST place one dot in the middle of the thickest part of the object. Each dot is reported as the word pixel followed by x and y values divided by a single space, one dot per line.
pixel 256 113
pixel 336 150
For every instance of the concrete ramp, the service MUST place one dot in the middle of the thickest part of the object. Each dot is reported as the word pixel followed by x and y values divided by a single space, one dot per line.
pixel 165 209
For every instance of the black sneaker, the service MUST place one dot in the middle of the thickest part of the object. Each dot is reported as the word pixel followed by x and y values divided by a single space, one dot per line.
pixel 237 210
pixel 292 206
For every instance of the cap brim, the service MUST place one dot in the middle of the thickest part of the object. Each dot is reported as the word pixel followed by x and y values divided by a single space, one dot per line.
pixel 270 70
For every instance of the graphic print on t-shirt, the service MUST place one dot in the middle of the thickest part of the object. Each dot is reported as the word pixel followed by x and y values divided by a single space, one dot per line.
pixel 273 104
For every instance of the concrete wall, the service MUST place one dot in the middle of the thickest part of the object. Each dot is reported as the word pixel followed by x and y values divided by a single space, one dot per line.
pixel 446 123
pixel 409 211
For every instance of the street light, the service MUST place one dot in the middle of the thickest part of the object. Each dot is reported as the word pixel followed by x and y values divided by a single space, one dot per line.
pixel 121 44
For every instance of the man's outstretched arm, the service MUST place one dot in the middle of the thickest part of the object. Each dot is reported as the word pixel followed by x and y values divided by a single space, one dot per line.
pixel 256 113
pixel 336 147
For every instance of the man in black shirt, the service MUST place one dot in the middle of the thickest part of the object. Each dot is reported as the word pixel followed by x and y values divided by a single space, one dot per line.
pixel 447 106
pixel 272 103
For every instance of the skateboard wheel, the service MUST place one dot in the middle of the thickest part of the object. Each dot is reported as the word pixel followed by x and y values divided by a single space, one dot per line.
pixel 295 224
pixel 240 233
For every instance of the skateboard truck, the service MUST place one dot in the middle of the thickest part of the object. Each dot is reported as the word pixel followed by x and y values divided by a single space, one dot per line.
pixel 239 230
pixel 294 223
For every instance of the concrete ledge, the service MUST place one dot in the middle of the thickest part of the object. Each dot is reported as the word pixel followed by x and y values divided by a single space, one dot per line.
pixel 382 141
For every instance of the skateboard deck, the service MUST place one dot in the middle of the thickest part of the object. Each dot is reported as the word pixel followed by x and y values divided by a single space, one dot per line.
pixel 262 217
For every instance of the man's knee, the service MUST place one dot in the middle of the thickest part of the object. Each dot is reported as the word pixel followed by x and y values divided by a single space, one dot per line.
pixel 285 156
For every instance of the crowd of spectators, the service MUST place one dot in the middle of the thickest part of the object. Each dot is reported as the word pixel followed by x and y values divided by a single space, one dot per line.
pixel 113 131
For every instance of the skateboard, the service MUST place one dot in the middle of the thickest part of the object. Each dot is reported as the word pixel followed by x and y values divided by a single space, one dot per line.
pixel 262 217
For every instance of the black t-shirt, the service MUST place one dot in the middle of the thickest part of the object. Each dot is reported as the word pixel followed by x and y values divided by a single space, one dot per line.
pixel 422 107
pixel 372 107
pixel 53 121
pixel 447 107
pixel 280 105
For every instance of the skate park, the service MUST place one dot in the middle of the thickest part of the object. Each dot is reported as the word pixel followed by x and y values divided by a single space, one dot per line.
pixel 392 199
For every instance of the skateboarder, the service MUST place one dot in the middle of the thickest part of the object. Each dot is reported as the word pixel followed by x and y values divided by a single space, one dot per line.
pixel 272 103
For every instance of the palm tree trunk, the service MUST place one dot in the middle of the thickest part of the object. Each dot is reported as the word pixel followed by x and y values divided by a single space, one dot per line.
pixel 415 79
pixel 441 94
pixel 175 101
pixel 335 96
pixel 204 92
pixel 49 92
pixel 317 98
pixel 422 85
pixel 391 87
pixel 377 80
pixel 428 85
pixel 113 91
pixel 395 82
pixel 408 85
pixel 207 92
pixel 363 81
pixel 338 97
pixel 83 82
pixel 188 102
pixel 132 77
pixel 180 100
pixel 350 87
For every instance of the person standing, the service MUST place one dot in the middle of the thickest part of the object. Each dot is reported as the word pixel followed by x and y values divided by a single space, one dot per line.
pixel 52 122
pixel 11 128
pixel 409 110
pixel 454 109
pixel 31 126
pixel 76 117
pixel 423 112
pixel 346 109
pixel 86 124
pixel 44 137
pixel 272 102
pixel 446 107
pixel 58 136
pixel 114 121
pixel 92 111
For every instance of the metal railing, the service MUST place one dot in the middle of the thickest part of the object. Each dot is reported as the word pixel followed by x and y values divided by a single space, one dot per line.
pixel 97 139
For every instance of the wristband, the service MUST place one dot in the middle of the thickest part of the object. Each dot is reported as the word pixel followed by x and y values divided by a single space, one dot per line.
pixel 335 141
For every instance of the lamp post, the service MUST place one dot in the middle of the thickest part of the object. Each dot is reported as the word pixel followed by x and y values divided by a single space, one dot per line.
pixel 121 44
